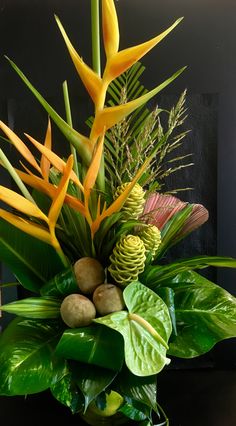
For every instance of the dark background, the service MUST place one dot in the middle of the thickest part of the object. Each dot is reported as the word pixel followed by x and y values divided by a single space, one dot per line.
pixel 204 41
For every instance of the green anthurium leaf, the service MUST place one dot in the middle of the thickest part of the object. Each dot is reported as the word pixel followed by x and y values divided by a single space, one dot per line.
pixel 34 307
pixel 27 361
pixel 168 295
pixel 155 276
pixel 92 380
pixel 30 260
pixel 135 410
pixel 67 393
pixel 146 328
pixel 93 345
pixel 140 389
pixel 205 314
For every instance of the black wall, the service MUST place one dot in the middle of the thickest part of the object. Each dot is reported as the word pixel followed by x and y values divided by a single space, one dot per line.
pixel 204 41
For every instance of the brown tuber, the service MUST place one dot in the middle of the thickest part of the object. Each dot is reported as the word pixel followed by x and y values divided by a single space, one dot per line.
pixel 89 274
pixel 77 311
pixel 108 298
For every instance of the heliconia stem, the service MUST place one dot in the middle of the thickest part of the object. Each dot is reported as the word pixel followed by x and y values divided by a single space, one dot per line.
pixel 69 121
pixel 95 36
pixel 6 163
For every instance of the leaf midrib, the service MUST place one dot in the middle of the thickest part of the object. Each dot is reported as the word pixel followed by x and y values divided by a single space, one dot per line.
pixel 22 259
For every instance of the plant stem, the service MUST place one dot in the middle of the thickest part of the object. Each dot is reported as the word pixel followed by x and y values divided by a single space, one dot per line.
pixel 6 163
pixel 69 121
pixel 96 54
pixel 95 36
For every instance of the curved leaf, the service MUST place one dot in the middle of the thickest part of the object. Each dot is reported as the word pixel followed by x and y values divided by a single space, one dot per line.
pixel 146 329
pixel 68 394
pixel 30 260
pixel 34 307
pixel 205 314
pixel 92 380
pixel 155 276
pixel 27 362
pixel 92 345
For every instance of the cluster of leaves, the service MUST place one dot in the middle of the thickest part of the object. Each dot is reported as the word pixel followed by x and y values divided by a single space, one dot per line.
pixel 142 134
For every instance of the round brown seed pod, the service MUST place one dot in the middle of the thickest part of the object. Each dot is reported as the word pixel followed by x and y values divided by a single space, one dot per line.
pixel 108 298
pixel 77 310
pixel 89 274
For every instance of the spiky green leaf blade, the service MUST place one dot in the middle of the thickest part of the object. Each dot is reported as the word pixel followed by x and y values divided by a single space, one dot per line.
pixel 146 328
pixel 69 132
pixel 205 314
pixel 27 361
pixel 34 307
pixel 158 275
pixel 30 260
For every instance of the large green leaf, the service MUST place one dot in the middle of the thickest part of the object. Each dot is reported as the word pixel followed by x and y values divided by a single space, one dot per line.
pixel 92 380
pixel 93 345
pixel 158 275
pixel 34 307
pixel 140 389
pixel 61 284
pixel 30 260
pixel 205 314
pixel 67 393
pixel 146 328
pixel 27 362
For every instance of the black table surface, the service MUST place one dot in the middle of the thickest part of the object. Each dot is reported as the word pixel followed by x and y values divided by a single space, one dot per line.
pixel 192 397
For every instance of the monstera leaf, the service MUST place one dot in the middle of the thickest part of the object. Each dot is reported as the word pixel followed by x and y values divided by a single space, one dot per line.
pixel 27 363
pixel 205 314
pixel 146 328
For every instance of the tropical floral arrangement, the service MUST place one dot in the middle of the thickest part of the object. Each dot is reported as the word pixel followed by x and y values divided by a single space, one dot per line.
pixel 88 236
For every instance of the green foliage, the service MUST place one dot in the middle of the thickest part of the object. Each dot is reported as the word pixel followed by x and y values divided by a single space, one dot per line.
pixel 30 260
pixel 146 328
pixel 27 362
pixel 205 314
pixel 67 393
pixel 132 140
pixel 34 307
pixel 93 345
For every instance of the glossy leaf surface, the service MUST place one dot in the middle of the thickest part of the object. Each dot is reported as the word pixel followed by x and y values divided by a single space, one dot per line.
pixel 68 394
pixel 92 380
pixel 34 307
pixel 205 314
pixel 27 362
pixel 155 276
pixel 61 285
pixel 93 345
pixel 30 260
pixel 146 328
pixel 141 389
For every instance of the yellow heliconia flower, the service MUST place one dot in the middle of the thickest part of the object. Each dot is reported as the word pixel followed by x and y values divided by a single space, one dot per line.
pixel 111 35
pixel 90 78
pixel 20 146
pixel 123 60
pixel 45 163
